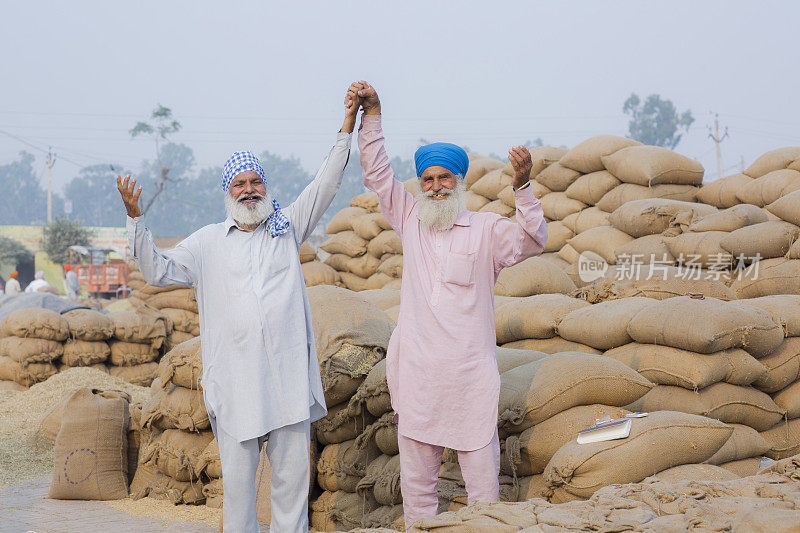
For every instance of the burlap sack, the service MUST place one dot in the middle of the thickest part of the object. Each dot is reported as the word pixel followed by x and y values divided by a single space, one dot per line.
pixel 213 493
pixel 695 472
pixel 721 193
pixel 725 402
pixel 794 251
pixel 345 242
pixel 340 511
pixel 788 399
pixel 50 422
pixel 8 385
pixel 318 273
pixel 628 192
pixel 783 367
pixel 30 350
pixel 586 219
pixel 26 375
pixel 743 467
pixel 474 202
pixel 581 469
pixel 175 299
pixel 773 160
pixel 367 200
pixel 392 266
pixel 150 482
pixel 557 236
pixel 85 353
pixel 604 325
pixel 387 242
pixel 343 220
pixel 352 282
pixel 341 466
pixel 768 277
pixel 344 371
pixel 768 188
pixel 650 216
pixel 386 516
pixel 551 346
pixel 590 188
pixel 555 259
pixel 508 358
pixel 210 463
pixel 557 178
pixel 377 281
pixel 183 320
pixel 787 208
pixel 784 438
pixel 701 249
pixel 338 262
pixel 533 317
pixel 529 452
pixel 176 407
pixel 645 250
pixel 386 438
pixel 340 425
pixel 652 165
pixel 382 480
pixel 89 325
pixel 491 183
pixel 568 254
pixel 744 443
pixel 730 219
pixel 478 167
pixel 131 353
pixel 140 326
pixel 177 453
pixel 536 391
pixel 373 393
pixel 36 323
pixel 368 226
pixel 498 207
pixel 142 375
pixel 557 206
pixel 532 276
pixel 664 365
pixel 544 156
pixel 306 253
pixel 91 461
pixel 363 266
pixel 530 487
pixel 182 365
pixel 763 241
pixel 587 156
pixel 706 325
pixel 602 240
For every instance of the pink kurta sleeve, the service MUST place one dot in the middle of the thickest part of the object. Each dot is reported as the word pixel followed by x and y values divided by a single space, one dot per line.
pixel 515 242
pixel 396 203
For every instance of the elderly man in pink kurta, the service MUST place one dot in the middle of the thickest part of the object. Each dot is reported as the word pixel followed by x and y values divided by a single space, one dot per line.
pixel 442 358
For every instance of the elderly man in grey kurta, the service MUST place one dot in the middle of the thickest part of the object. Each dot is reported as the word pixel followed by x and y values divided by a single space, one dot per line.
pixel 261 379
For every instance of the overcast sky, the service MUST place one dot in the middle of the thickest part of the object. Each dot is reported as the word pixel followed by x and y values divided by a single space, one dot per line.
pixel 262 75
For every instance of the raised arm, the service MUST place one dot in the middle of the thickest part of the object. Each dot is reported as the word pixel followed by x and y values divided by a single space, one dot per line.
pixel 378 175
pixel 173 267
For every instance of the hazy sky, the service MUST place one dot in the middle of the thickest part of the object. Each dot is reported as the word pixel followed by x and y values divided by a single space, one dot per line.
pixel 262 75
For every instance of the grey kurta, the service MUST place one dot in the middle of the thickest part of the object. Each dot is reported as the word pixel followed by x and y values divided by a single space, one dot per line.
pixel 260 369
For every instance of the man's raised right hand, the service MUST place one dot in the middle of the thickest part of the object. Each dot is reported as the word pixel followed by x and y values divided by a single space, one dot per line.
pixel 370 102
pixel 129 197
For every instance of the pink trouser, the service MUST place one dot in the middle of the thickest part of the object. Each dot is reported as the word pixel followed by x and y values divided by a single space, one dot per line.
pixel 419 473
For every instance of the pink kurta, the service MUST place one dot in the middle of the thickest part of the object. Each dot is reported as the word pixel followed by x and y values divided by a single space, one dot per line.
pixel 441 364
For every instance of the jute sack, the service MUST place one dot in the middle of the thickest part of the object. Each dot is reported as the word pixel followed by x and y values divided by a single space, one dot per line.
pixel 551 346
pixel 367 200
pixel 102 367
pixel 730 219
pixel 363 266
pixel 586 219
pixel 474 202
pixel 369 225
pixel 343 373
pixel 85 353
pixel 557 178
pixel 721 193
pixel 768 188
pixel 210 462
pixel 628 192
pixel 387 242
pixel 177 453
pixel 604 325
pixel 508 358
pixel 91 461
pixel 340 425
pixel 768 277
pixel 784 438
pixel 338 262
pixel 706 325
pixel 725 402
pixel 702 249
pixel 386 516
pixel 345 242
pixel 773 160
pixel 783 367
pixel 787 208
pixel 557 206
pixel 183 320
pixel 536 391
pixel 340 511
pixel 544 156
pixel 744 442
pixel 602 240
pixel 182 365
pixel 794 251
pixel 557 236
pixel 140 326
pixel 341 466
pixel 491 183
pixel 50 422
pixel 386 438
pixel 532 276
pixel 533 317
pixel 743 467
pixel 142 375
pixel 382 480
pixel 554 258
pixel 318 273
pixel 664 365
pixel 695 472
pixel 131 353
pixel 788 399
pixel 213 493
pixel 645 250
pixel 177 337
pixel 175 299
pixel 498 207
pixel 373 393
pixel 528 453
pixel 650 216
pixel 150 482
pixel 351 281
pixel 176 407
pixel 37 323
pixel 8 385
pixel 531 487
pixel 89 325
pixel 26 375
pixel 587 156
pixel 765 240
pixel 377 281
pixel 652 165
pixel 568 254
pixel 29 350
pixel 581 469
pixel 478 167
pixel 590 188
pixel 392 266
pixel 343 220
pixel 306 253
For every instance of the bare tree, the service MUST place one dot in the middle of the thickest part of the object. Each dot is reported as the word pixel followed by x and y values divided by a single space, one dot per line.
pixel 161 126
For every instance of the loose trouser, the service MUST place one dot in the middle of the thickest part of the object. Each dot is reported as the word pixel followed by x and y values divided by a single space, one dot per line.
pixel 288 450
pixel 419 473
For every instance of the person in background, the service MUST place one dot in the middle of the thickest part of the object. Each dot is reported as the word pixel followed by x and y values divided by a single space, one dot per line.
pixel 12 285
pixel 38 284
pixel 71 281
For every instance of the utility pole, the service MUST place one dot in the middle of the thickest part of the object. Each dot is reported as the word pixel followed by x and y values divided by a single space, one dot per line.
pixel 717 140
pixel 51 160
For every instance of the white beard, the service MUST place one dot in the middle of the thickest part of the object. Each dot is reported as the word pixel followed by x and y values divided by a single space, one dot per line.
pixel 248 216
pixel 441 214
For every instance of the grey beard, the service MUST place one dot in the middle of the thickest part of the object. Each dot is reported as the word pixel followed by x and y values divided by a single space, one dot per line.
pixel 247 216
pixel 441 214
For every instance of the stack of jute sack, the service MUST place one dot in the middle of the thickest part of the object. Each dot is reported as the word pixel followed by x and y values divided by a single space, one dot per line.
pixel 315 272
pixel 31 343
pixel 139 338
pixel 87 345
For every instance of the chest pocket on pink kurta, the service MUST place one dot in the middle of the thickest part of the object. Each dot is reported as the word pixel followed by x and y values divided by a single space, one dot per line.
pixel 460 268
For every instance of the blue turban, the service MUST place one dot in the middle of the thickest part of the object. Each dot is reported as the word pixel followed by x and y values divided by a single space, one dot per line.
pixel 236 164
pixel 446 155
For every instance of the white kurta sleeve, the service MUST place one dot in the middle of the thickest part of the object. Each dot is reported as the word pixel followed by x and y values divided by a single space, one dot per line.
pixel 161 269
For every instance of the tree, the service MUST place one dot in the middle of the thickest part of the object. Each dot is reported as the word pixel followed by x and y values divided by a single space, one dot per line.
pixel 13 252
pixel 656 122
pixel 286 178
pixel 24 198
pixel 62 234
pixel 163 125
